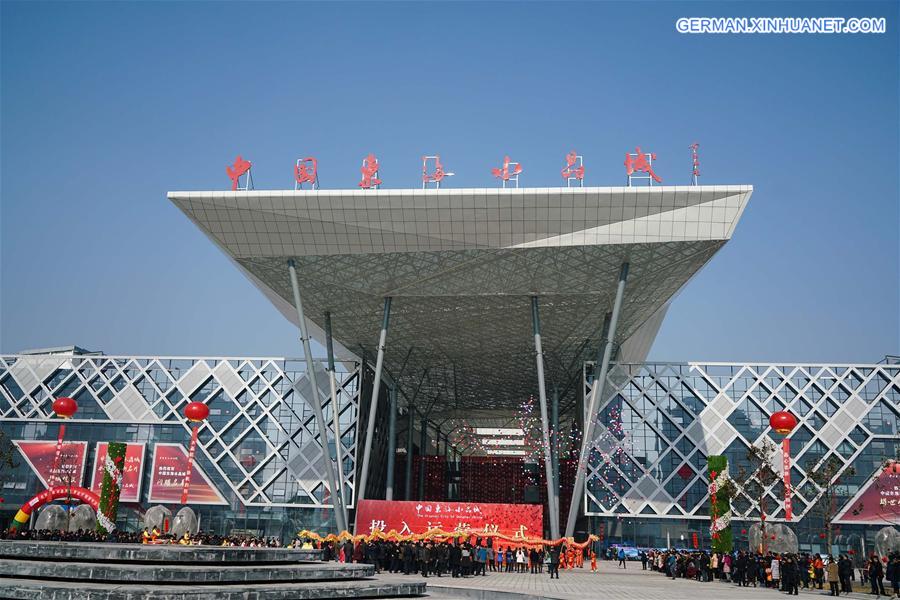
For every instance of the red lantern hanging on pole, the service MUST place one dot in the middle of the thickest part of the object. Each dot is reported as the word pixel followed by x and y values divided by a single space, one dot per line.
pixel 195 413
pixel 64 408
pixel 783 423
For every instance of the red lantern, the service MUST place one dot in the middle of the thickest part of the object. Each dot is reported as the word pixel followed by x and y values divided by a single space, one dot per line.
pixel 196 411
pixel 743 532
pixel 65 407
pixel 773 536
pixel 821 536
pixel 782 422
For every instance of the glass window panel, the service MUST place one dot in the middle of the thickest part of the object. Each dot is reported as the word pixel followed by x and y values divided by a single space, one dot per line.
pixel 748 419
pixel 882 419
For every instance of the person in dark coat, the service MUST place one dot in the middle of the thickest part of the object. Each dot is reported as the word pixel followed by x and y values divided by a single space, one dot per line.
pixel 740 569
pixel 465 561
pixel 876 576
pixel 893 572
pixel 423 553
pixel 845 573
pixel 348 551
pixel 790 575
pixel 553 567
pixel 703 566
pixel 803 568
pixel 409 558
pixel 454 556
pixel 441 557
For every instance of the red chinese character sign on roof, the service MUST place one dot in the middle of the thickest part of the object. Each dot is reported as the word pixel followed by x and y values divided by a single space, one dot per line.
pixel 640 162
pixel 437 176
pixel 306 171
pixel 574 169
pixel 509 172
pixel 369 172
pixel 236 171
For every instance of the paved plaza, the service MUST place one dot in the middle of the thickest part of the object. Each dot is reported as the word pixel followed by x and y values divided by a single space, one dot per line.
pixel 610 582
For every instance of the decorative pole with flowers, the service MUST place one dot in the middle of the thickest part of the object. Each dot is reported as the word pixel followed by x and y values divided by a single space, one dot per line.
pixel 783 423
pixel 111 488
pixel 720 492
pixel 64 408
pixel 195 413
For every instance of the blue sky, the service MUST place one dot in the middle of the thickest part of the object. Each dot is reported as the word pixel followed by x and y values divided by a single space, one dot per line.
pixel 105 107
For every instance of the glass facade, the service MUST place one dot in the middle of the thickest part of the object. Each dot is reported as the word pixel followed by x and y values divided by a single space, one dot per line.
pixel 658 423
pixel 258 447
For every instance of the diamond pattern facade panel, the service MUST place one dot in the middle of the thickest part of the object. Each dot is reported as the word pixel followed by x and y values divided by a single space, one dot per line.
pixel 668 418
pixel 260 443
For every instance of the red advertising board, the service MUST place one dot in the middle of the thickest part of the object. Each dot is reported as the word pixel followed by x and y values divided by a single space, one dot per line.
pixel 42 455
pixel 408 517
pixel 877 503
pixel 132 474
pixel 170 462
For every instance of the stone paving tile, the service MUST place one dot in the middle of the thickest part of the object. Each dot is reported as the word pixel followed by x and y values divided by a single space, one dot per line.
pixel 610 583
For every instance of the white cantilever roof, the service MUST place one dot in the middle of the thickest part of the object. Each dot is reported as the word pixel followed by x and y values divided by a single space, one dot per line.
pixel 461 266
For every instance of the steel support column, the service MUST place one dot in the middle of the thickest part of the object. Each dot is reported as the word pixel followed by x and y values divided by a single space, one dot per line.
pixel 423 452
pixel 335 415
pixel 317 403
pixel 545 424
pixel 596 397
pixel 554 441
pixel 373 403
pixel 392 443
pixel 410 450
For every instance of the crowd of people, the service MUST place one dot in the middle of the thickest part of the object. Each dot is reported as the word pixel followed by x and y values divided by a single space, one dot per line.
pixel 787 572
pixel 201 538
pixel 147 536
pixel 81 535
pixel 437 558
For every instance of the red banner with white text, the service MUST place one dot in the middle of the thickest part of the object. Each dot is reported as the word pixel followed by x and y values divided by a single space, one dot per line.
pixel 132 472
pixel 878 502
pixel 41 457
pixel 406 517
pixel 170 462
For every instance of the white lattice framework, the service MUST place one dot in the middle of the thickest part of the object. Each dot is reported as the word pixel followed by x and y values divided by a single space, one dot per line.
pixel 461 267
pixel 675 415
pixel 258 409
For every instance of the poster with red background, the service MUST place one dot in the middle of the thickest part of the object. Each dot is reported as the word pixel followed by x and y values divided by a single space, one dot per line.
pixel 132 474
pixel 170 462
pixel 406 517
pixel 878 502
pixel 41 456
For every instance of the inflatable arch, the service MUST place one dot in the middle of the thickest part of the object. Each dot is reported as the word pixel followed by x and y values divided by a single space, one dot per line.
pixel 55 493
